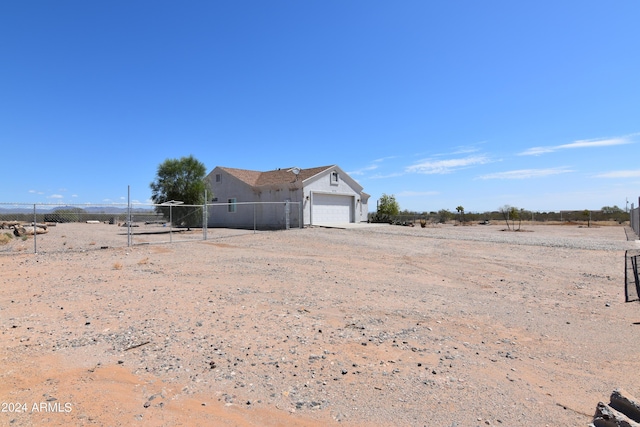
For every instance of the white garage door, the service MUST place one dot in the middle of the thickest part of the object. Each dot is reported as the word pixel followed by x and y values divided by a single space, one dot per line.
pixel 331 209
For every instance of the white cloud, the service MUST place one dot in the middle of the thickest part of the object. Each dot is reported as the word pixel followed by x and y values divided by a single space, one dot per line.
pixel 583 143
pixel 429 166
pixel 389 175
pixel 361 171
pixel 373 166
pixel 382 159
pixel 597 143
pixel 525 173
pixel 535 151
pixel 56 196
pixel 620 174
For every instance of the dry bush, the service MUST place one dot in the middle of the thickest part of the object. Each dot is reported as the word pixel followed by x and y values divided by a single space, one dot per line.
pixel 5 238
pixel 143 261
pixel 117 266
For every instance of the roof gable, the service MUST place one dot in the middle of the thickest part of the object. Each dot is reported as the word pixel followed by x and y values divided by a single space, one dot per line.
pixel 345 176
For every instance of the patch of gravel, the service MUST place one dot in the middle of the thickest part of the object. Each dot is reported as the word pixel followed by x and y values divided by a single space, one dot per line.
pixel 452 326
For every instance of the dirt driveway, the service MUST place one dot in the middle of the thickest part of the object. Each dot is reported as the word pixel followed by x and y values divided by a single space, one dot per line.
pixel 389 326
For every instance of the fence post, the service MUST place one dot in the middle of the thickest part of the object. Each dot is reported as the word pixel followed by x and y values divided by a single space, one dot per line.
pixel 128 216
pixel 35 234
pixel 286 215
pixel 204 216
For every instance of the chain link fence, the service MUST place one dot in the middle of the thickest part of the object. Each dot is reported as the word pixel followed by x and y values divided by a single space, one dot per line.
pixel 429 219
pixel 38 227
pixel 634 218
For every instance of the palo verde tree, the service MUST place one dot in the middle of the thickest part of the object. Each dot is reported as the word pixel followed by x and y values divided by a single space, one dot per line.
pixel 387 205
pixel 511 213
pixel 180 180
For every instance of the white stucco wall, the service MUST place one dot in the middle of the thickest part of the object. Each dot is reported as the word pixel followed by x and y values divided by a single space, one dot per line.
pixel 266 215
pixel 273 215
pixel 322 184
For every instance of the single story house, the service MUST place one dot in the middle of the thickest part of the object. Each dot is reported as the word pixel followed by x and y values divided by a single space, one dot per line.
pixel 317 196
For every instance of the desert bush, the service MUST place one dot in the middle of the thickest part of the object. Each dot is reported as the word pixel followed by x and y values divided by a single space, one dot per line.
pixel 5 238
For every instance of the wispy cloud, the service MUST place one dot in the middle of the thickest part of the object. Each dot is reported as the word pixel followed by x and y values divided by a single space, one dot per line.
pixel 467 149
pixel 373 166
pixel 382 159
pixel 620 174
pixel 583 143
pixel 430 166
pixel 525 173
pixel 363 170
pixel 56 196
pixel 387 175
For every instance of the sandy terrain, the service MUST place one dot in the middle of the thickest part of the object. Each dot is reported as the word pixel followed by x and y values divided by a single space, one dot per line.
pixel 448 326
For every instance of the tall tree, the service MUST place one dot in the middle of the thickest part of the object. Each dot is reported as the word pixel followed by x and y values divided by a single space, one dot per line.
pixel 387 205
pixel 180 180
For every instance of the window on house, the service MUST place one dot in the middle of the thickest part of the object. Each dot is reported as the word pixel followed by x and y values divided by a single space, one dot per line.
pixel 232 205
pixel 334 177
pixel 218 177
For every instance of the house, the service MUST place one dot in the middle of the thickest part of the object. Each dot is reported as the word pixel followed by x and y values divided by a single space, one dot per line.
pixel 317 196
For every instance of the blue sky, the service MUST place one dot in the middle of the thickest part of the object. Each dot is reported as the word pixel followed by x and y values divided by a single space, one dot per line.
pixel 480 104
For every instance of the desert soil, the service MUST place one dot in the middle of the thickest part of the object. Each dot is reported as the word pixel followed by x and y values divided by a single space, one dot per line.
pixel 374 326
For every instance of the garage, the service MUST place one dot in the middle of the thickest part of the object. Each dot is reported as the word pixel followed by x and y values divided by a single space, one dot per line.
pixel 331 208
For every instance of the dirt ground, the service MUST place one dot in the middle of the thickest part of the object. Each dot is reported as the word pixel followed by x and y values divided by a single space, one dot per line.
pixel 374 326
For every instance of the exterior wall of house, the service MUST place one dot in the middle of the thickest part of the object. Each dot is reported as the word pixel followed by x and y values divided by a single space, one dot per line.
pixel 246 213
pixel 343 186
pixel 363 209
pixel 270 214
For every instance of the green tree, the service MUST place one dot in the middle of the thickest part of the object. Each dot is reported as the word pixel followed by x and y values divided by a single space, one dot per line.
pixel 514 214
pixel 387 205
pixel 511 213
pixel 444 215
pixel 587 215
pixel 180 180
pixel 615 213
